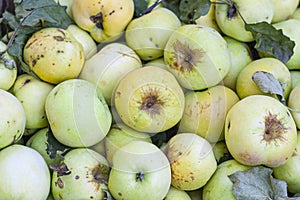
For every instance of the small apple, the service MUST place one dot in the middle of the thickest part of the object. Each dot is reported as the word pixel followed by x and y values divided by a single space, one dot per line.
pixel 176 194
pixel 192 161
pixel 294 103
pixel 190 54
pixel 77 113
pixel 12 119
pixel 260 130
pixel 147 35
pixel 230 22
pixel 140 170
pixel 221 152
pixel 284 9
pixel 295 76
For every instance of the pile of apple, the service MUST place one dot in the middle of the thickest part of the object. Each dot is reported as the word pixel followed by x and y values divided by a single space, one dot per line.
pixel 83 126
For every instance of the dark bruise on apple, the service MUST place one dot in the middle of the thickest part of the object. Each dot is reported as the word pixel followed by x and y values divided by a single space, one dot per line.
pixel 97 20
pixel 99 175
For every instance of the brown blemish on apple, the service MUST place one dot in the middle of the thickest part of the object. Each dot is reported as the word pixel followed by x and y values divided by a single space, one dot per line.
pixel 120 194
pixel 99 175
pixel 249 158
pixel 58 38
pixel 60 183
pixel 185 58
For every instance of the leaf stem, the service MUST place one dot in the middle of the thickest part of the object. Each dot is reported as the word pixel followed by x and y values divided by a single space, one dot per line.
pixel 149 9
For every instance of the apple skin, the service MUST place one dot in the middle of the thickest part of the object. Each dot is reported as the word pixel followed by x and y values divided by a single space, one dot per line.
pixel 192 161
pixel 252 12
pixel 108 66
pixel 140 170
pixel 219 186
pixel 32 94
pixel 290 171
pixel 293 102
pixel 284 9
pixel 220 151
pixel 24 174
pixel 87 178
pixel 266 134
pixel 147 35
pixel 190 56
pixel 77 113
pixel 295 76
pixel 245 86
pixel 176 194
pixel 205 112
pixel 12 123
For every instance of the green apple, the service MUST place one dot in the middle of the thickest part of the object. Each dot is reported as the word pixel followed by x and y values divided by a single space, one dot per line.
pixel 176 194
pixel 32 94
pixel 140 170
pixel 198 56
pixel 88 44
pixel 221 152
pixel 284 9
pixel 159 62
pixel 290 171
pixel 205 112
pixel 195 194
pixel 99 147
pixel 192 161
pixel 12 119
pixel 108 66
pixel 120 135
pixel 294 103
pixel 24 174
pixel 219 186
pixel 245 86
pixel 68 4
pixel 77 113
pixel 260 130
pixel 83 174
pixel 54 55
pixel 148 34
pixel 30 131
pixel 295 76
pixel 230 22
pixel 8 69
pixel 149 99
pixel 240 56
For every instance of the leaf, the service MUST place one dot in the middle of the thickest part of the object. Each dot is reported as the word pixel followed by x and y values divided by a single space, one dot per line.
pixel 172 5
pixel 271 41
pixel 268 84
pixel 257 183
pixel 190 10
pixel 139 7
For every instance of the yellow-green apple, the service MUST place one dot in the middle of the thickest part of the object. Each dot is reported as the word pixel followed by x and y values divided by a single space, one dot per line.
pixel 260 130
pixel 290 171
pixel 220 186
pixel 32 94
pixel 149 99
pixel 221 151
pixel 192 161
pixel 284 9
pixel 105 20
pixel 240 57
pixel 54 55
pixel 296 14
pixel 24 174
pixel 205 112
pixel 159 62
pixel 295 76
pixel 140 170
pixel 83 174
pixel 176 194
pixel 230 15
pixel 12 119
pixel 294 103
pixel 190 54
pixel 108 66
pixel 77 113
pixel 147 35
pixel 245 86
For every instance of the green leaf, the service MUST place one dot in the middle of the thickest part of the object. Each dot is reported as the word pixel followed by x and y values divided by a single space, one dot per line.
pixel 271 41
pixel 257 183
pixel 139 7
pixel 172 5
pixel 190 10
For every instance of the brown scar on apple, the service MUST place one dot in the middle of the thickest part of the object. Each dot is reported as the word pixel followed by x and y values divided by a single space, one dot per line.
pixel 99 175
pixel 151 101
pixel 249 158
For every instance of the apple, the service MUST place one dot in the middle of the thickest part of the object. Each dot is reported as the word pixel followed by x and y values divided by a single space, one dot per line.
pixel 260 130
pixel 7 75
pixel 32 94
pixel 240 57
pixel 140 170
pixel 231 23
pixel 296 14
pixel 77 113
pixel 54 55
pixel 190 54
pixel 149 99
pixel 219 186
pixel 290 171
pixel 176 194
pixel 159 62
pixel 120 135
pixel 147 35
pixel 284 9
pixel 293 102
pixel 24 174
pixel 83 174
pixel 192 161
pixel 195 194
pixel 105 20
pixel 245 86
pixel 12 119
pixel 108 66
pixel 295 76
pixel 205 112
pixel 221 152
pixel 99 147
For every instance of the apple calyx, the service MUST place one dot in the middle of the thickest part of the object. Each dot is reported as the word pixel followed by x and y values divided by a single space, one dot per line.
pixel 274 129
pixel 139 176
pixel 97 20
pixel 151 102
